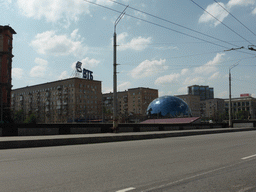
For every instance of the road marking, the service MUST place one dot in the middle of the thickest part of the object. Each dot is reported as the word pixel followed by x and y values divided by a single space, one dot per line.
pixel 125 190
pixel 249 157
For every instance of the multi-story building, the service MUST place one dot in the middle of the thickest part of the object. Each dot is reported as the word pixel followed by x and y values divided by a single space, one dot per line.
pixel 193 102
pixel 205 92
pixel 6 37
pixel 244 106
pixel 212 108
pixel 68 100
pixel 133 101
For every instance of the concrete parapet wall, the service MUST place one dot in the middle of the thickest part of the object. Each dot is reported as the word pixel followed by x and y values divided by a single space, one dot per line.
pixel 125 129
pixel 149 128
pixel 37 131
pixel 171 128
pixel 86 130
pixel 239 125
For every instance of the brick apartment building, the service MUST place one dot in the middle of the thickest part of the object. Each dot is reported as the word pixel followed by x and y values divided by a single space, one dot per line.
pixel 73 99
pixel 132 101
pixel 6 38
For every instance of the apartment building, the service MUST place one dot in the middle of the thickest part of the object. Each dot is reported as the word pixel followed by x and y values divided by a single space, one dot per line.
pixel 245 104
pixel 132 101
pixel 68 100
pixel 212 108
pixel 193 102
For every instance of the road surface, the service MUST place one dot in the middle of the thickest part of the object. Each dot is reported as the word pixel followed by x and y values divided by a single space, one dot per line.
pixel 218 162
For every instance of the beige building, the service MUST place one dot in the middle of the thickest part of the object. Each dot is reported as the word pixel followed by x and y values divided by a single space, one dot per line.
pixel 62 101
pixel 133 101
pixel 193 102
pixel 212 108
pixel 244 105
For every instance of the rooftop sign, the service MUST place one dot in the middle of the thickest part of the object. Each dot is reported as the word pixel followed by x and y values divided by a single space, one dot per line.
pixel 87 74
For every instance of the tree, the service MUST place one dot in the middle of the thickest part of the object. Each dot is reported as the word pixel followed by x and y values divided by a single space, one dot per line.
pixel 31 119
pixel 18 116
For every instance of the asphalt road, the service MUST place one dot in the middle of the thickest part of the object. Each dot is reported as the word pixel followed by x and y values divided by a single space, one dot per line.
pixel 218 162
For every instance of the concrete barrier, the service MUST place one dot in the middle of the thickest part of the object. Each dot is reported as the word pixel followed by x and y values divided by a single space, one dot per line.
pixel 151 128
pixel 240 125
pixel 86 130
pixel 37 131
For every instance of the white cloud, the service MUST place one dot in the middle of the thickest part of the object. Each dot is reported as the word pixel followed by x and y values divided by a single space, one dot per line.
pixel 148 68
pixel 215 10
pixel 53 11
pixel 232 3
pixel 138 43
pixel 210 66
pixel 40 69
pixel 167 79
pixel 183 90
pixel 254 11
pixel 124 86
pixel 17 73
pixel 86 63
pixel 215 76
pixel 184 71
pixel 48 43
pixel 63 75
pixel 193 80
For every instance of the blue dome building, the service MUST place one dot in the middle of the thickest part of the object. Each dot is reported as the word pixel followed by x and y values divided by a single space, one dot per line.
pixel 168 107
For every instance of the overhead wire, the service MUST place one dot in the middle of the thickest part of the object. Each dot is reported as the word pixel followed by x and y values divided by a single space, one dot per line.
pixel 220 21
pixel 235 17
pixel 164 26
pixel 171 22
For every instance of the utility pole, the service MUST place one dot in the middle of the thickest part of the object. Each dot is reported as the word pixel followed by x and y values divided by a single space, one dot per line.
pixel 229 111
pixel 115 118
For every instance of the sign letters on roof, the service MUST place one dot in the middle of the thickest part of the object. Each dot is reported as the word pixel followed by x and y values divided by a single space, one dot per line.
pixel 87 74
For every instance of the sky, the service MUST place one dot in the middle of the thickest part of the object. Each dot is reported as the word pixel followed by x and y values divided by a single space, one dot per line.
pixel 162 44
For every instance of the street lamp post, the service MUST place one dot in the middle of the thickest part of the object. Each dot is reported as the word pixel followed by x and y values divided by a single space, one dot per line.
pixel 115 119
pixel 229 111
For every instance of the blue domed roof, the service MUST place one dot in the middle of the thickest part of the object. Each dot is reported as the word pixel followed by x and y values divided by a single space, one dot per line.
pixel 168 106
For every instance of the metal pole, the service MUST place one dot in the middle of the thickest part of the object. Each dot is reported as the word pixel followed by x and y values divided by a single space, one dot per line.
pixel 230 117
pixel 230 121
pixel 115 118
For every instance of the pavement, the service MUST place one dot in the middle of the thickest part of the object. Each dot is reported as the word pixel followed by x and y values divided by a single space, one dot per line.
pixel 59 140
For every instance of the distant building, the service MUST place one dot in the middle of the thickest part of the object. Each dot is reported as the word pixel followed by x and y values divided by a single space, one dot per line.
pixel 193 102
pixel 244 106
pixel 205 92
pixel 212 108
pixel 6 38
pixel 62 101
pixel 133 101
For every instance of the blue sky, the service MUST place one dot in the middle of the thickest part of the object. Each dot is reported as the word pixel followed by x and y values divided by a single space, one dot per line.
pixel 181 46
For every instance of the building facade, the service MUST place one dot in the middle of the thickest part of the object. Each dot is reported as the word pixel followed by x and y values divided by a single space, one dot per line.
pixel 6 38
pixel 243 107
pixel 212 109
pixel 62 101
pixel 133 101
pixel 193 102
pixel 205 92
